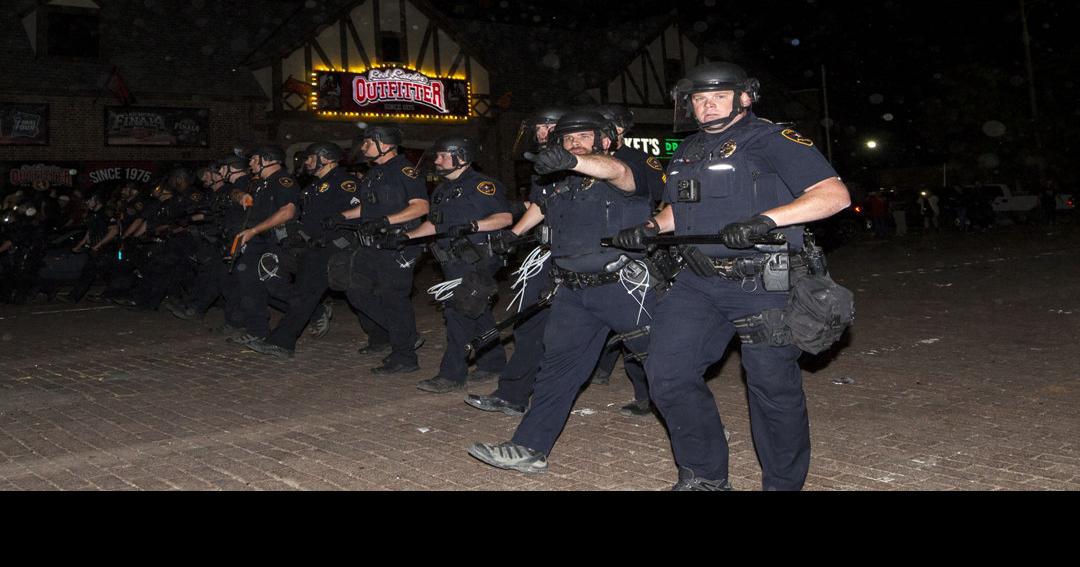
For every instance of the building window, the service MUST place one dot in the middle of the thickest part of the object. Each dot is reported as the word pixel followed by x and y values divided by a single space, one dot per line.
pixel 392 51
pixel 73 33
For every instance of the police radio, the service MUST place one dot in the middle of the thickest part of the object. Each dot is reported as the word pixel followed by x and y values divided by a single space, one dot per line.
pixel 688 191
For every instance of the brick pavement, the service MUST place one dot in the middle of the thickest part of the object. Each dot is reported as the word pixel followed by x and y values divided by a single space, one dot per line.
pixel 961 363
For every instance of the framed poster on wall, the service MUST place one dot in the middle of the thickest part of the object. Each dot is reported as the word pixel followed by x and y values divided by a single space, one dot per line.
pixel 156 126
pixel 24 124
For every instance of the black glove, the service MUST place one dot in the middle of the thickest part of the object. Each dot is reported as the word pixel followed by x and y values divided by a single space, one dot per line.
pixel 634 238
pixel 552 159
pixel 502 241
pixel 393 241
pixel 375 226
pixel 329 223
pixel 459 230
pixel 742 234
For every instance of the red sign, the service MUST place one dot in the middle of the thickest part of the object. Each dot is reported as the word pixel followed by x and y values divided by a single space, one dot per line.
pixel 391 91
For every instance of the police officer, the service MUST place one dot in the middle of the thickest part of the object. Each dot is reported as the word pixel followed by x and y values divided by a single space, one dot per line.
pixel 210 270
pixel 515 385
pixel 597 198
pixel 165 226
pixel 648 172
pixel 744 177
pixel 99 243
pixel 392 200
pixel 332 192
pixel 463 207
pixel 274 198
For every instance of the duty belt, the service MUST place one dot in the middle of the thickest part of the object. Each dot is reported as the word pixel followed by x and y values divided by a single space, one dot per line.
pixel 750 266
pixel 582 279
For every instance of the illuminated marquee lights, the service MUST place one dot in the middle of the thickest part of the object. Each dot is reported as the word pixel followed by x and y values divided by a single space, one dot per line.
pixel 387 94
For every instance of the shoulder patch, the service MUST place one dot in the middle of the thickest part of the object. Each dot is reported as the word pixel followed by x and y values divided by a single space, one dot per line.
pixel 324 187
pixel 486 188
pixel 196 196
pixel 349 186
pixel 797 138
pixel 655 164
pixel 286 181
pixel 410 172
pixel 139 206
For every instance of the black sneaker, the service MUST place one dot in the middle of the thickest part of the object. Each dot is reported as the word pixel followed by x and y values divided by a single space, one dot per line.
pixel 374 349
pixel 416 346
pixel 440 385
pixel 481 376
pixel 395 368
pixel 491 403
pixel 262 347
pixel 510 456
pixel 636 408
pixel 243 339
pixel 321 325
pixel 690 483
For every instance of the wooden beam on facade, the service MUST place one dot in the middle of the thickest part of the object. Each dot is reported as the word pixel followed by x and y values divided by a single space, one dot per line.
pixel 322 55
pixel 359 44
pixel 423 44
pixel 343 41
pixel 404 31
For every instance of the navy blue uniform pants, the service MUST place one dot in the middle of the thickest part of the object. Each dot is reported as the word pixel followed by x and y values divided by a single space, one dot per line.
pixel 385 301
pixel 517 379
pixel 691 330
pixel 252 294
pixel 577 329
pixel 460 328
pixel 304 296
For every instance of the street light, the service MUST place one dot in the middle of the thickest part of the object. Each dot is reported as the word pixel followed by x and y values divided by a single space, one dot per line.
pixel 872 144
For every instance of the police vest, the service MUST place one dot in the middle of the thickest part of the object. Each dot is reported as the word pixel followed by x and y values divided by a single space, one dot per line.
pixel 717 180
pixel 582 210
pixel 461 201
pixel 326 197
pixel 382 191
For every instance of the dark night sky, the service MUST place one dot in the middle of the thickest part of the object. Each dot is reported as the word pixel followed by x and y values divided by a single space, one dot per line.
pixel 931 81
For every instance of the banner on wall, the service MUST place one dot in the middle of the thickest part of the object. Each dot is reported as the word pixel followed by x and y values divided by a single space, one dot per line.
pixel 156 126
pixel 23 124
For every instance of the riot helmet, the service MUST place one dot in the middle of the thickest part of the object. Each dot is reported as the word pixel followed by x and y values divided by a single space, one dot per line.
pixel 708 78
pixel 325 153
pixel 585 121
pixel 268 156
pixel 528 136
pixel 386 137
pixel 463 151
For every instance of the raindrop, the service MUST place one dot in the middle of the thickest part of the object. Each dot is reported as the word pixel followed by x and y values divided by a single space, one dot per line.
pixel 198 4
pixel 288 136
pixel 989 161
pixel 239 44
pixel 504 4
pixel 700 26
pixel 207 50
pixel 310 4
pixel 550 60
pixel 201 22
pixel 994 129
pixel 740 34
pixel 795 42
pixel 937 76
pixel 850 130
pixel 888 117
pixel 808 73
pixel 828 122
pixel 877 98
pixel 1016 80
pixel 537 18
pixel 710 3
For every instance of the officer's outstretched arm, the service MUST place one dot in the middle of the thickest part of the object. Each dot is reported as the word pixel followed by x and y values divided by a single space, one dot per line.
pixel 416 209
pixel 822 200
pixel 280 217
pixel 425 229
pixel 532 217
pixel 494 222
pixel 607 168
